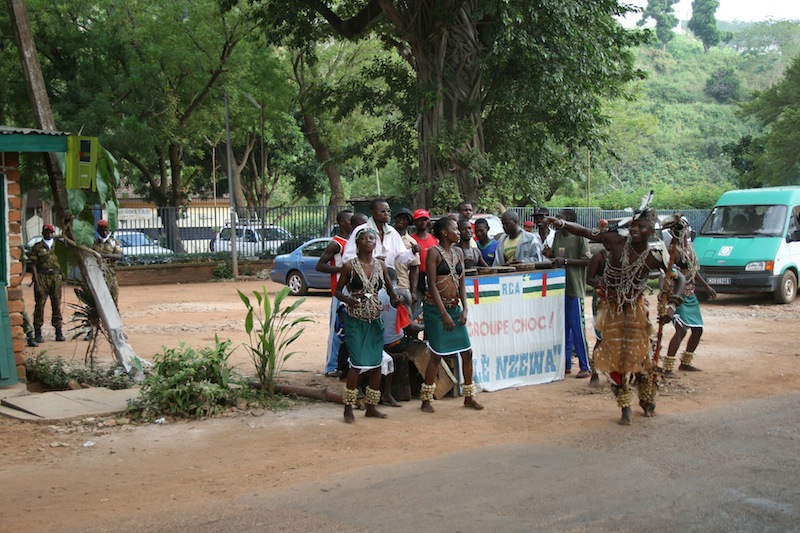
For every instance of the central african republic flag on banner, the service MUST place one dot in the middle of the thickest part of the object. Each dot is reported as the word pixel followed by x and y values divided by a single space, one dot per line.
pixel 516 325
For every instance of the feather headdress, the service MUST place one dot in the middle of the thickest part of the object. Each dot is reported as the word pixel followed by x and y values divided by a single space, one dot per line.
pixel 645 211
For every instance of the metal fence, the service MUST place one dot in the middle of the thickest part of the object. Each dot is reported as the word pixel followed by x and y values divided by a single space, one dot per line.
pixel 591 216
pixel 189 231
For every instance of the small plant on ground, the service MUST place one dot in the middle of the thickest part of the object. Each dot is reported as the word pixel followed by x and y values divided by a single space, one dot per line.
pixel 223 270
pixel 87 322
pixel 271 329
pixel 185 382
pixel 56 374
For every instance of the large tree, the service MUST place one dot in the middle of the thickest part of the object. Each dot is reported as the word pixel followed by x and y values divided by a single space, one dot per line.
pixel 773 158
pixel 537 71
pixel 704 22
pixel 663 13
pixel 145 76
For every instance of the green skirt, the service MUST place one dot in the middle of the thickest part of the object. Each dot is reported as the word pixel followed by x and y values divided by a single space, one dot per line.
pixel 364 342
pixel 440 341
pixel 688 313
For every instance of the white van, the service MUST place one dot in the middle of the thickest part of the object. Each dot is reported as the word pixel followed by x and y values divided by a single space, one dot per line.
pixel 751 242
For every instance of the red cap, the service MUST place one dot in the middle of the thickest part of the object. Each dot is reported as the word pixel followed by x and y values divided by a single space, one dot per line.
pixel 528 224
pixel 102 223
pixel 421 213
pixel 48 227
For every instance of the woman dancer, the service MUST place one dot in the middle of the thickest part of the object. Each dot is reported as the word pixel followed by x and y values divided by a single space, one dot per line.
pixel 687 315
pixel 364 276
pixel 445 321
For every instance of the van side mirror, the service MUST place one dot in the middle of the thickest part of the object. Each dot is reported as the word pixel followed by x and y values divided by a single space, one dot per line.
pixel 793 236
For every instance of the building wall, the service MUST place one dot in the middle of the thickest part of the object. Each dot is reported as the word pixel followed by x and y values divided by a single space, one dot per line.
pixel 9 164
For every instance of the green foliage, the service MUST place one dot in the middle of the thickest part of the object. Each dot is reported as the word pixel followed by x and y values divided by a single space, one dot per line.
pixel 187 383
pixel 704 22
pixel 271 330
pixel 223 270
pixel 773 158
pixel 56 374
pixel 724 86
pixel 663 12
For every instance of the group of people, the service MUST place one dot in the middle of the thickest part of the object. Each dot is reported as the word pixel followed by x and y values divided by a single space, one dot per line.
pixel 48 279
pixel 377 266
pixel 423 271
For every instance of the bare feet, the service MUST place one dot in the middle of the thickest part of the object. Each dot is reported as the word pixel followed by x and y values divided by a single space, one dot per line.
pixel 688 368
pixel 373 412
pixel 670 374
pixel 348 414
pixel 361 402
pixel 427 407
pixel 388 399
pixel 470 401
pixel 649 409
pixel 626 417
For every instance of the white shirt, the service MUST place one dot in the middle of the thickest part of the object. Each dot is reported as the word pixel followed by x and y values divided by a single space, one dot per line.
pixel 392 246
pixel 548 241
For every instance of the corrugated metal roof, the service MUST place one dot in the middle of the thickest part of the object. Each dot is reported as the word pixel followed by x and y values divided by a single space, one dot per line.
pixel 12 130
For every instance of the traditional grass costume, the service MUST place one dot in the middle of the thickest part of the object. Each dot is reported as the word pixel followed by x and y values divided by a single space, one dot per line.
pixel 624 322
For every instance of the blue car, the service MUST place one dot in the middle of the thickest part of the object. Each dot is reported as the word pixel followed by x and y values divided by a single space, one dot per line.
pixel 298 270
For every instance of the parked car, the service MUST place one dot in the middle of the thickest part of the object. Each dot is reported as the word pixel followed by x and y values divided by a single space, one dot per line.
pixel 138 247
pixel 298 269
pixel 252 240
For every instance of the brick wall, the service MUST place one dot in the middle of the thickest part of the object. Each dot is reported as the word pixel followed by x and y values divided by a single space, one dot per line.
pixel 10 163
pixel 180 272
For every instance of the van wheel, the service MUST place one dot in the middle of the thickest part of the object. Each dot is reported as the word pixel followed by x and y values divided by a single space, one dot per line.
pixel 296 283
pixel 787 290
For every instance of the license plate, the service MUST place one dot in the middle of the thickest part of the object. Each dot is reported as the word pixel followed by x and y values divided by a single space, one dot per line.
pixel 718 281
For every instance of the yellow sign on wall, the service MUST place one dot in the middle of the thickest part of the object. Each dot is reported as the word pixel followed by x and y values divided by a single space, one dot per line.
pixel 81 162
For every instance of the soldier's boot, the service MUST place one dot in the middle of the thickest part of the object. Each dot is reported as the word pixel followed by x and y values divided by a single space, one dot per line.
pixel 59 335
pixel 32 340
pixel 38 337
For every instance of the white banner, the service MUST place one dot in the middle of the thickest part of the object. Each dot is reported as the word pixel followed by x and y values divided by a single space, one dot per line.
pixel 516 325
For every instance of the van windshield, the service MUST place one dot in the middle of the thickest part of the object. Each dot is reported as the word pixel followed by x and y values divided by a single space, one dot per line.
pixel 755 220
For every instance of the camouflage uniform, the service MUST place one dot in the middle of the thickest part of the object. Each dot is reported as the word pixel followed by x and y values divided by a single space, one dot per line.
pixel 49 273
pixel 111 246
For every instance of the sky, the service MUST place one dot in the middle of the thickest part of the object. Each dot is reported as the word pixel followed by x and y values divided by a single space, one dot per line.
pixel 730 10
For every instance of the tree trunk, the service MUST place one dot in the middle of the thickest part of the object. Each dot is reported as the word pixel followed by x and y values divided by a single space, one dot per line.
pixel 448 59
pixel 311 133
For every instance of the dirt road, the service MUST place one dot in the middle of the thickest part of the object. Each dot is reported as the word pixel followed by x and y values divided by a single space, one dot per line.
pixel 181 476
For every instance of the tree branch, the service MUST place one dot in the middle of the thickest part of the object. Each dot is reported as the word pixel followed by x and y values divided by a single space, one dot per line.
pixel 353 26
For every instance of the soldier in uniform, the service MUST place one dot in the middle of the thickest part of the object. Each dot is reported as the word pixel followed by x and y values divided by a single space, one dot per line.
pixel 47 283
pixel 111 252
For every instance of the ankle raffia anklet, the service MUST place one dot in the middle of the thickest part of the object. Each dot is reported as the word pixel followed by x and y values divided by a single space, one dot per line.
pixel 349 396
pixel 426 392
pixel 623 397
pixel 373 396
pixel 469 390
